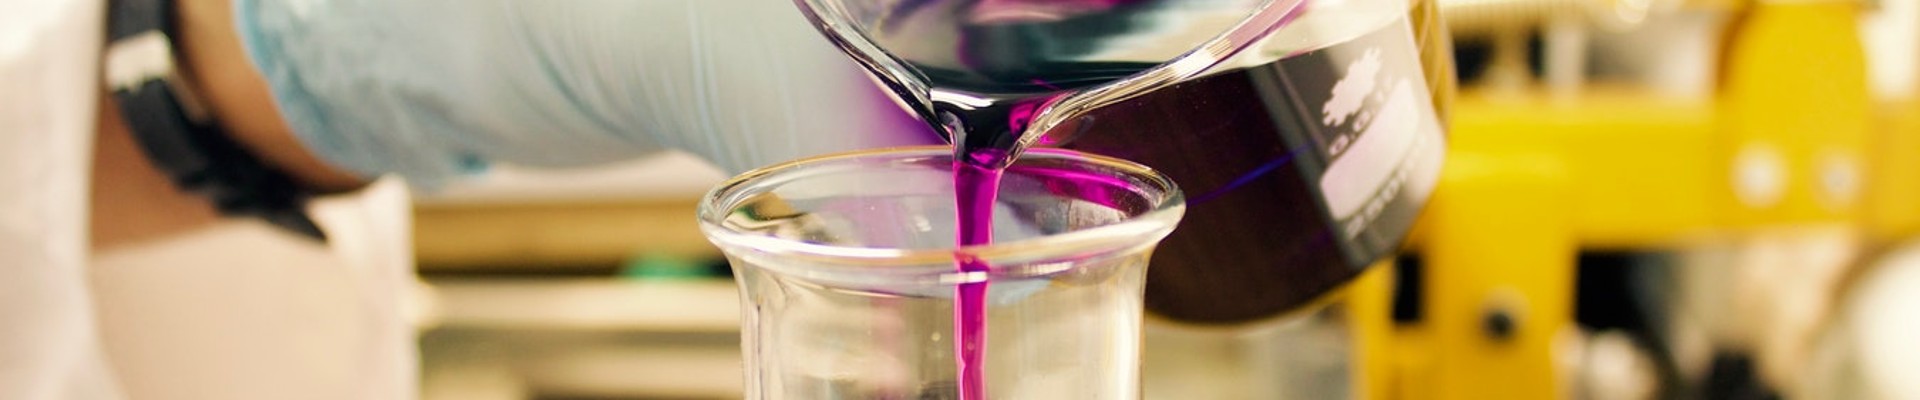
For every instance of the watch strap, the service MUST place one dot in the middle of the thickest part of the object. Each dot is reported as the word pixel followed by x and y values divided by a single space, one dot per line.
pixel 178 135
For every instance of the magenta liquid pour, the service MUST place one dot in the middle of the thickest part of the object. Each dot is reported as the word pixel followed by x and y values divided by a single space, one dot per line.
pixel 975 188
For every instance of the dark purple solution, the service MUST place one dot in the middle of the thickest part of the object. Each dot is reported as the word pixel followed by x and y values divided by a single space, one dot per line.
pixel 1256 151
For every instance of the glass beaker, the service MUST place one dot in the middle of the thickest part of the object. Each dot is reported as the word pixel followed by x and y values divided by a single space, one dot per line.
pixel 846 265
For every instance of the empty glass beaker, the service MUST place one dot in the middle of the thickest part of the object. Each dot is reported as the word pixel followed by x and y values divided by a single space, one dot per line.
pixel 847 268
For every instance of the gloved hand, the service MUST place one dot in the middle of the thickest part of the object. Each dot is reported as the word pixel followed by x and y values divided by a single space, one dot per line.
pixel 432 89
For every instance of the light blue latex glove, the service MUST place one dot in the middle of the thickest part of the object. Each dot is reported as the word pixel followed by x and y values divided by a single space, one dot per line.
pixel 433 89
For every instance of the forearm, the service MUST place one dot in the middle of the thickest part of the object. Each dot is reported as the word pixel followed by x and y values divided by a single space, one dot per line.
pixel 238 97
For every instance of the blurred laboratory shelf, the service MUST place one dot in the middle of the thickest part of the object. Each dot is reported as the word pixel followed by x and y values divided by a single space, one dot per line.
pixel 552 238
pixel 586 304
pixel 579 338
pixel 588 220
pixel 669 175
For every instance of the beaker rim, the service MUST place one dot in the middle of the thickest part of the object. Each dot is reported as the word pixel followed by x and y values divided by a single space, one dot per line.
pixel 1021 258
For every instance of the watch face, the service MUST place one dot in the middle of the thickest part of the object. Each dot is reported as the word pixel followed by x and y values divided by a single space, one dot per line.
pixel 1299 173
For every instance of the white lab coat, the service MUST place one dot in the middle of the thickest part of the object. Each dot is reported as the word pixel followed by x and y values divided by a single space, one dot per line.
pixel 235 311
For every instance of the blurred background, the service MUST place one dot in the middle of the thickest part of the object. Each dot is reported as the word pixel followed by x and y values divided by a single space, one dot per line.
pixel 1642 199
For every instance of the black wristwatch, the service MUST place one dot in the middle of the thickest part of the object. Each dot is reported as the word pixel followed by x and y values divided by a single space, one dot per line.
pixel 175 130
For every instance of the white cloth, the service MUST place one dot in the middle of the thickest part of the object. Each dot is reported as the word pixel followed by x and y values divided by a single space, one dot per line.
pixel 236 311
pixel 244 310
pixel 49 345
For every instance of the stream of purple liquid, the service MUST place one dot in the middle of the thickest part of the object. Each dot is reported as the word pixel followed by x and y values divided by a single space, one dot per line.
pixel 975 187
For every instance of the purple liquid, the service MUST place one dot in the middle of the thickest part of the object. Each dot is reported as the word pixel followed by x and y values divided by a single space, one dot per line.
pixel 975 188
pixel 984 137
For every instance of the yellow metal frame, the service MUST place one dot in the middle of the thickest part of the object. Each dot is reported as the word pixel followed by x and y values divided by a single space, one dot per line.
pixel 1791 138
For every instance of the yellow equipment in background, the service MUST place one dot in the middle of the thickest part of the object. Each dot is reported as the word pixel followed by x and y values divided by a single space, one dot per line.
pixel 1791 138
